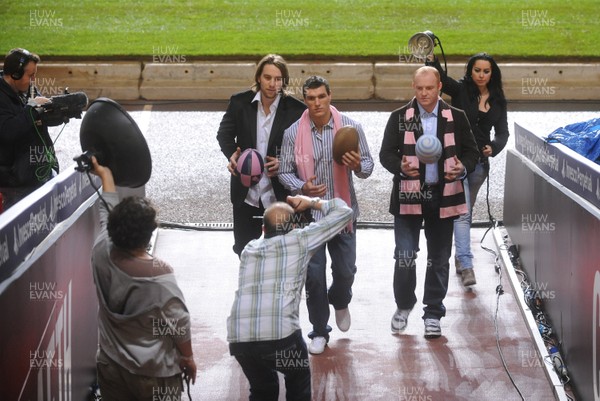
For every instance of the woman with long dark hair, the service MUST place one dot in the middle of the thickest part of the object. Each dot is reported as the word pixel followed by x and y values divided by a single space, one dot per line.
pixel 479 93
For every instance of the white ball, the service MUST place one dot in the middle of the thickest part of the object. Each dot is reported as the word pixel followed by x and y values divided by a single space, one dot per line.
pixel 428 149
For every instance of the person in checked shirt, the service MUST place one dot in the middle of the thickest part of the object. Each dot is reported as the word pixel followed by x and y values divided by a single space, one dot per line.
pixel 263 329
pixel 307 167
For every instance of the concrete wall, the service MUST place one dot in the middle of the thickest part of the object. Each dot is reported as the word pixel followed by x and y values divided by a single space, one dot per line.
pixel 350 81
pixel 118 80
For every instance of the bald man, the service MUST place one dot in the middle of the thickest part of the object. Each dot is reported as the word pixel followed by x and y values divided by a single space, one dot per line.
pixel 263 329
pixel 432 194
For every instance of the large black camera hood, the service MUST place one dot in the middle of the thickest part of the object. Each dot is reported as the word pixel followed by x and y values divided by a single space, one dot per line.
pixel 112 135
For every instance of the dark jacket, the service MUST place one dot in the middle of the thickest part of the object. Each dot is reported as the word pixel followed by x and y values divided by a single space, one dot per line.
pixel 391 151
pixel 496 116
pixel 26 149
pixel 238 129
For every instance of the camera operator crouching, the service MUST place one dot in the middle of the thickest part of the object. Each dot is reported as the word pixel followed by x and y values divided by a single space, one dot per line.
pixel 27 156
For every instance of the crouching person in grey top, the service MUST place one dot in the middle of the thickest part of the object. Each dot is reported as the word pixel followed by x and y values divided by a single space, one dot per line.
pixel 263 329
pixel 144 326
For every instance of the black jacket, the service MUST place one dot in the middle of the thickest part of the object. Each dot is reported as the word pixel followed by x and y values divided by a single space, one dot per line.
pixel 27 155
pixel 391 151
pixel 238 129
pixel 496 116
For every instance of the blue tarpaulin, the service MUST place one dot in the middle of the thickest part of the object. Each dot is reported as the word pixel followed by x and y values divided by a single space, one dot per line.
pixel 583 138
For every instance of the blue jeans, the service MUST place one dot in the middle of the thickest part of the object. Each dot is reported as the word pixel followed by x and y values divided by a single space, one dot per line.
pixel 342 250
pixel 439 248
pixel 462 225
pixel 261 360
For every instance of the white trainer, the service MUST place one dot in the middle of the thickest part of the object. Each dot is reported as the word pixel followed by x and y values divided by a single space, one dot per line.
pixel 432 328
pixel 400 319
pixel 317 345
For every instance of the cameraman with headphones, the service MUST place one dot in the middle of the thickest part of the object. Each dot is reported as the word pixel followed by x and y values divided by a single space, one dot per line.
pixel 27 156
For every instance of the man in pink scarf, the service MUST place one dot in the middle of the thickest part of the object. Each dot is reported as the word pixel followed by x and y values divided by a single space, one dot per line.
pixel 307 167
pixel 429 195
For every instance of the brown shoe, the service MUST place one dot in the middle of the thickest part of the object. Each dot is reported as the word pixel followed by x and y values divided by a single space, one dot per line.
pixel 468 277
pixel 457 265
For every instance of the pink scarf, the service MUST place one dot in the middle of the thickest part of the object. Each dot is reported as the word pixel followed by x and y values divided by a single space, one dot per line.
pixel 305 158
pixel 450 204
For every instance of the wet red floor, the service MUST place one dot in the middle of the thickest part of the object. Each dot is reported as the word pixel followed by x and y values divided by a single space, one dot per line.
pixel 368 362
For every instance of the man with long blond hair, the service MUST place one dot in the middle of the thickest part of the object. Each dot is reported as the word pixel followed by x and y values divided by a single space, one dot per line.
pixel 256 119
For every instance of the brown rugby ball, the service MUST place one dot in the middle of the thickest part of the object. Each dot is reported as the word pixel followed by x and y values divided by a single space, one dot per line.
pixel 345 140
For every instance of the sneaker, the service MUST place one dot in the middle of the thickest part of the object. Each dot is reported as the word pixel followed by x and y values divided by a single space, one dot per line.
pixel 400 319
pixel 317 345
pixel 468 277
pixel 432 328
pixel 342 319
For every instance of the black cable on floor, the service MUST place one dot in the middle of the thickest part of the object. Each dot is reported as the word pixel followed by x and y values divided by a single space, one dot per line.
pixel 491 219
pixel 499 289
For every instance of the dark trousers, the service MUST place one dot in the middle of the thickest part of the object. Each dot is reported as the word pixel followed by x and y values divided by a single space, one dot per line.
pixel 261 360
pixel 118 384
pixel 438 233
pixel 342 249
pixel 247 225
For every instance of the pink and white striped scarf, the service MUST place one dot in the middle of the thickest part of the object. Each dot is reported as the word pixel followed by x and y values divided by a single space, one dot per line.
pixel 410 202
pixel 305 158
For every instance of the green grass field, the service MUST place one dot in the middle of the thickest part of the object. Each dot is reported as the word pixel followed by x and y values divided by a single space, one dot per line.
pixel 539 29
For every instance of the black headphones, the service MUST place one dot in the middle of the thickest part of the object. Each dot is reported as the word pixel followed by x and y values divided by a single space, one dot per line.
pixel 20 71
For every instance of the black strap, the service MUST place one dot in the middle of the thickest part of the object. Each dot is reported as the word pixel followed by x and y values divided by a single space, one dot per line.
pixel 187 382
